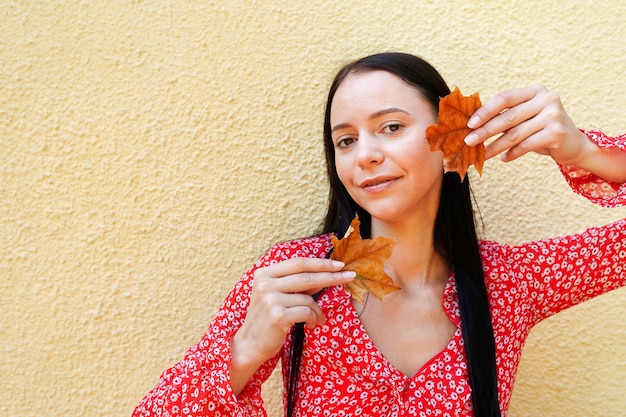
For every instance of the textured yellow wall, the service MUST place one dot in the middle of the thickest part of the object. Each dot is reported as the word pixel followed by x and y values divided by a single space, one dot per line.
pixel 152 150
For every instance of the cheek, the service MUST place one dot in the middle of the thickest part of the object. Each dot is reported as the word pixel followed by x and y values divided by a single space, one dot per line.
pixel 420 153
pixel 435 158
pixel 343 172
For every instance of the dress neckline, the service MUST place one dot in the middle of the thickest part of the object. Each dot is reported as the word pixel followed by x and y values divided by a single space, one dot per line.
pixel 451 309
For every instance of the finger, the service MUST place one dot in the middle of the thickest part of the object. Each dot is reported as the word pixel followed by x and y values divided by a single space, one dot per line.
pixel 534 143
pixel 516 135
pixel 311 282
pixel 504 122
pixel 500 102
pixel 288 309
pixel 297 265
pixel 302 300
pixel 502 112
pixel 303 314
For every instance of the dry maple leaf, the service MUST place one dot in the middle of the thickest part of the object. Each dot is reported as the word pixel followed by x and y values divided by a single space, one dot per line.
pixel 447 136
pixel 365 257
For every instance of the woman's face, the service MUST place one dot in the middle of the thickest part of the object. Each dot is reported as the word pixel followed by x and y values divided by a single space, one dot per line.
pixel 381 154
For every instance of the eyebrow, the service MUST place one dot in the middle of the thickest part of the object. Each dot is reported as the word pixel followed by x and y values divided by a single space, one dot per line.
pixel 373 116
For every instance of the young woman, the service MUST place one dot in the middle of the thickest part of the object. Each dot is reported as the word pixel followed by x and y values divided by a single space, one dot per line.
pixel 449 342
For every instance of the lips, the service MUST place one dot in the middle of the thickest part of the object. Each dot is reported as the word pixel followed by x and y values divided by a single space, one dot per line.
pixel 373 182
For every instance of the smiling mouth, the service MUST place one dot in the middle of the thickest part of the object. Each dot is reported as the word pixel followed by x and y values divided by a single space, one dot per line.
pixel 376 182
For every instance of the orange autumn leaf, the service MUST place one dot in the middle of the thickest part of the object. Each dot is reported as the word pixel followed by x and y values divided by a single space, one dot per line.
pixel 447 136
pixel 366 257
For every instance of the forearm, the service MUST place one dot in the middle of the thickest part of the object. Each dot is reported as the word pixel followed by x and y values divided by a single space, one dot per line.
pixel 558 282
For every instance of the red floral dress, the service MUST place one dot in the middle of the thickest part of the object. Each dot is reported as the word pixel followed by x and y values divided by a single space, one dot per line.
pixel 344 374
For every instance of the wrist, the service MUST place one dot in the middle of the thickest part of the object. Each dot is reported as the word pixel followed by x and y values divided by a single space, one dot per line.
pixel 608 163
pixel 585 155
pixel 244 362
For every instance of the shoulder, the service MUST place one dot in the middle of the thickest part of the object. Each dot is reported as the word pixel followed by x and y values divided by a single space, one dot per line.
pixel 495 258
pixel 491 250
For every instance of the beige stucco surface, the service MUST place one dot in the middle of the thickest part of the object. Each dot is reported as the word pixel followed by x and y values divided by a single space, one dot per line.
pixel 152 150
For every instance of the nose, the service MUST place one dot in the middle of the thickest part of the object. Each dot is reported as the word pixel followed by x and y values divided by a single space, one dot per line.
pixel 369 151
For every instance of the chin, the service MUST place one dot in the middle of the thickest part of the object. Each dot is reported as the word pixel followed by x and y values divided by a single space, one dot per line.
pixel 387 216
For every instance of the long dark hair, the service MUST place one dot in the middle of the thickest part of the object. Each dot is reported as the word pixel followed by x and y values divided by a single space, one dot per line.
pixel 455 237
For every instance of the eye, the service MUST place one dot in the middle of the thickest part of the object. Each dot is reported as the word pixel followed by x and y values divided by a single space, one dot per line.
pixel 392 128
pixel 345 141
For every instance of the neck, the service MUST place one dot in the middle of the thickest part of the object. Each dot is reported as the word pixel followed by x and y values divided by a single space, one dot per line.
pixel 414 262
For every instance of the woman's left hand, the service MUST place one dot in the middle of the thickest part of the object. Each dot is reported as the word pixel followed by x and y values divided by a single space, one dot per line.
pixel 529 119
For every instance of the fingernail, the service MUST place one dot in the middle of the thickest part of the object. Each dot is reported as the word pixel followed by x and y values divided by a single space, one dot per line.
pixel 473 122
pixel 338 264
pixel 348 274
pixel 471 139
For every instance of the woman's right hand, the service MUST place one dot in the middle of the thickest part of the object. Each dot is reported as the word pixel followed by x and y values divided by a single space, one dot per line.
pixel 281 296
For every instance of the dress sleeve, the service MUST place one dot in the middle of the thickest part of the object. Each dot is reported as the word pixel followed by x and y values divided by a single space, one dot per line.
pixel 199 385
pixel 592 187
pixel 561 272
